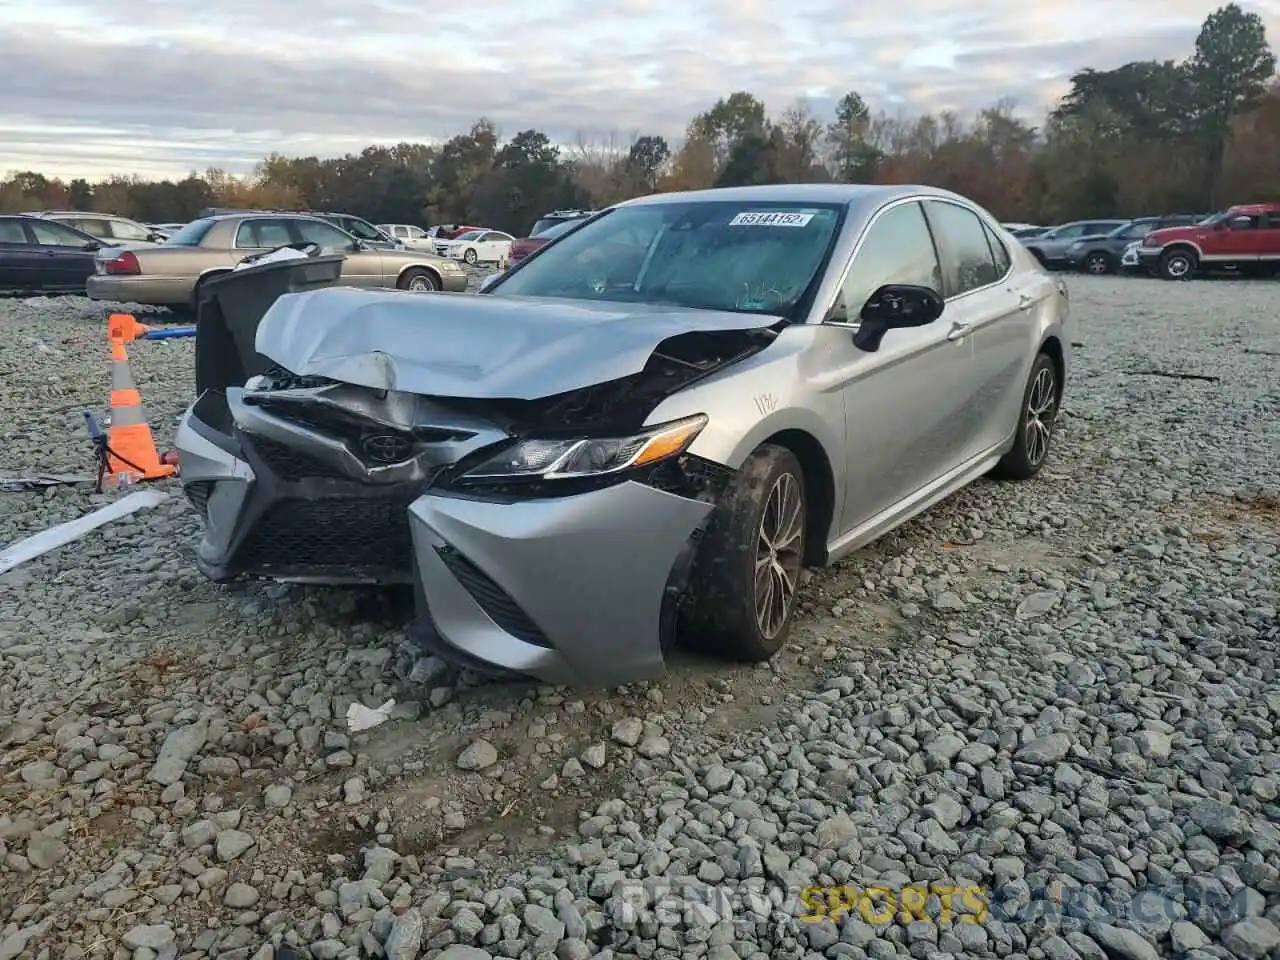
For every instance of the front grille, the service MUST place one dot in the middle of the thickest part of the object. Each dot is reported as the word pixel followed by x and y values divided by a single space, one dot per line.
pixel 198 494
pixel 492 599
pixel 347 533
pixel 290 464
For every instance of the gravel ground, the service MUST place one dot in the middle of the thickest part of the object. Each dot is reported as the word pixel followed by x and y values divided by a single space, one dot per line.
pixel 1063 693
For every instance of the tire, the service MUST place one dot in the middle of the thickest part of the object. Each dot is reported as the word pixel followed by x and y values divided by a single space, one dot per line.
pixel 1177 264
pixel 471 256
pixel 1097 263
pixel 1037 418
pixel 419 280
pixel 721 616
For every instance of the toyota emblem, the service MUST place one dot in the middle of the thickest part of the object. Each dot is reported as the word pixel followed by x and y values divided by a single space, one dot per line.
pixel 386 448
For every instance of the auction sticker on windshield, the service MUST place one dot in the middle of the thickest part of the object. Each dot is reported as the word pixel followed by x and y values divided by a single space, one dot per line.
pixel 764 218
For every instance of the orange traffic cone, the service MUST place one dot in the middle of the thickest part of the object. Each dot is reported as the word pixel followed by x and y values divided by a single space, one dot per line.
pixel 131 450
pixel 125 328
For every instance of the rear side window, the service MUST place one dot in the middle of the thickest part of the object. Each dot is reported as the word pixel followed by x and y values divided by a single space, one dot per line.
pixel 11 232
pixel 967 263
pixel 999 252
pixel 263 233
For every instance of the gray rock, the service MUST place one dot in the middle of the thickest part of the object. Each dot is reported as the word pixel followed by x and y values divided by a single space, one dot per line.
pixel 176 752
pixel 240 896
pixel 405 939
pixel 1252 938
pixel 480 755
pixel 628 731
pixel 1044 750
pixel 152 936
pixel 1121 944
pixel 232 844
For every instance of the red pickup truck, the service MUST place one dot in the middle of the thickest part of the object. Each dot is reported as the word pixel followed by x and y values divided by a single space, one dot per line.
pixel 1244 238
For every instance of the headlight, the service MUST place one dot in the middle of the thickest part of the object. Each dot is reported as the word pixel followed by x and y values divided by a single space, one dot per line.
pixel 589 457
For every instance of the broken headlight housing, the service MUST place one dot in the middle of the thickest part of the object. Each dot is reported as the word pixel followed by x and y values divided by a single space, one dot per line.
pixel 586 457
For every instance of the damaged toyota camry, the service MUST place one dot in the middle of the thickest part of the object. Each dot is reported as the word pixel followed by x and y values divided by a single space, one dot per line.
pixel 641 433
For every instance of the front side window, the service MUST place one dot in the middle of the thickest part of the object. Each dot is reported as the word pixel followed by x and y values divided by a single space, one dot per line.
pixel 898 248
pixel 754 257
pixel 358 228
pixel 967 260
pixel 1134 231
pixel 416 233
pixel 325 234
pixel 56 235
pixel 124 230
pixel 1065 233
pixel 1245 222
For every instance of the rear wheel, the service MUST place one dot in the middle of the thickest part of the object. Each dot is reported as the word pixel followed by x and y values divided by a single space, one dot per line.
pixel 1178 264
pixel 1036 421
pixel 1097 263
pixel 744 583
pixel 418 280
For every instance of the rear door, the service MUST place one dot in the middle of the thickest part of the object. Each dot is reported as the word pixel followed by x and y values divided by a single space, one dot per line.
pixel 996 305
pixel 64 263
pixel 18 257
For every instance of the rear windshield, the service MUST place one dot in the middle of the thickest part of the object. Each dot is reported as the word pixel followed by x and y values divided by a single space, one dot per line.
pixel 191 234
pixel 715 255
pixel 545 224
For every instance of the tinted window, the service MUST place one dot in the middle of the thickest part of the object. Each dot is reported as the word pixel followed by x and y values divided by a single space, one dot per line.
pixel 263 233
pixel 325 234
pixel 999 253
pixel 1133 231
pixel 124 230
pixel 967 261
pixel 898 248
pixel 1245 222
pixel 11 232
pixel 718 255
pixel 496 236
pixel 470 235
pixel 1064 233
pixel 55 234
pixel 95 228
pixel 358 228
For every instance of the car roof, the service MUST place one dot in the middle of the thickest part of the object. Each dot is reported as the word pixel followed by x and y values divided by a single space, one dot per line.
pixel 860 197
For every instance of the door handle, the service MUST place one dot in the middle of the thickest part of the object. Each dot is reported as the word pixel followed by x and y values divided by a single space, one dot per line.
pixel 1025 301
pixel 958 330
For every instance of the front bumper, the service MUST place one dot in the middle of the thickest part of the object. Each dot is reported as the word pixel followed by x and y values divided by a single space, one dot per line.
pixel 1149 258
pixel 578 589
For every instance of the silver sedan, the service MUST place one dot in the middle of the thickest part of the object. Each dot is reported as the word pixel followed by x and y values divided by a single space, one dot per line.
pixel 642 432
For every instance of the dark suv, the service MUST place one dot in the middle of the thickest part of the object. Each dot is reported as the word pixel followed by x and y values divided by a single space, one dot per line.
pixel 1103 254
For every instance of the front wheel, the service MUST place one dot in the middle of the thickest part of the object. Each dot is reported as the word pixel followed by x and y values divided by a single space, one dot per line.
pixel 471 257
pixel 1097 264
pixel 419 281
pixel 1036 422
pixel 1177 264
pixel 743 588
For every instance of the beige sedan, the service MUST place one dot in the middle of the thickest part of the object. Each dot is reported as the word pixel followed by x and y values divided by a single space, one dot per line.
pixel 169 275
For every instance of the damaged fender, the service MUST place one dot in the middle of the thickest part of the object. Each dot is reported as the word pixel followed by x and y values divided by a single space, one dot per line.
pixel 457 345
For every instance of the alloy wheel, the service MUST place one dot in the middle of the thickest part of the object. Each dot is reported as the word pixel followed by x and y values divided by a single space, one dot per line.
pixel 1178 266
pixel 420 284
pixel 779 549
pixel 1096 264
pixel 1042 399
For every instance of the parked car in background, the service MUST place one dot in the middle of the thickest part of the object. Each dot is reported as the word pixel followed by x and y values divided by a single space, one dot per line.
pixel 445 232
pixel 1024 233
pixel 170 275
pixel 1244 238
pixel 44 256
pixel 166 228
pixel 557 217
pixel 413 238
pixel 106 228
pixel 527 245
pixel 702 378
pixel 1050 247
pixel 1102 254
pixel 358 227
pixel 479 246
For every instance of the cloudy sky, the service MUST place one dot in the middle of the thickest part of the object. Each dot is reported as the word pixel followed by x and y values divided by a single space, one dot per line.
pixel 161 87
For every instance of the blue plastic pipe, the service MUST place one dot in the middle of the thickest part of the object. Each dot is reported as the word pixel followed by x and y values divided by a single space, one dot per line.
pixel 172 333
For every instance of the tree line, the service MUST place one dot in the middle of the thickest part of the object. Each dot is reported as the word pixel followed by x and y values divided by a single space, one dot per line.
pixel 1148 137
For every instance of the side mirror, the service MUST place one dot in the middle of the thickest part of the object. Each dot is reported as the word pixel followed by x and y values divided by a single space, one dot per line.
pixel 92 246
pixel 489 281
pixel 896 306
pixel 358 246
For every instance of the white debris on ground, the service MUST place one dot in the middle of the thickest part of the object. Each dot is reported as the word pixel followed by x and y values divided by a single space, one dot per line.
pixel 1060 697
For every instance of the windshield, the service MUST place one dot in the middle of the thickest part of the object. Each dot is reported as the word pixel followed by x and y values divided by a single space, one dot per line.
pixel 716 255
pixel 191 234
pixel 469 235
pixel 1220 217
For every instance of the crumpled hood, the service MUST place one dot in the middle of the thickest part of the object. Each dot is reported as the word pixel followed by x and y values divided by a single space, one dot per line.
pixel 467 345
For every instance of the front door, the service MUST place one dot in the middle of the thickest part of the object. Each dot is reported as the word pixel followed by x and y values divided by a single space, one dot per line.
pixel 64 263
pixel 999 308
pixel 902 417
pixel 361 268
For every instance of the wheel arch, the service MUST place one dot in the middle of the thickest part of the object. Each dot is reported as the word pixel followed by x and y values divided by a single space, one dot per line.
pixel 426 267
pixel 1053 347
pixel 819 489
